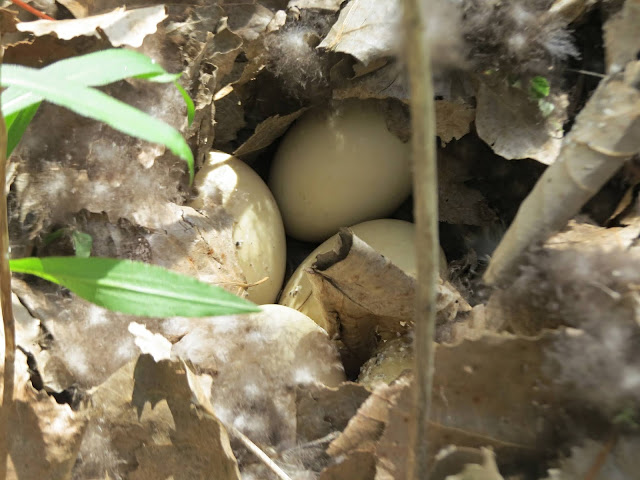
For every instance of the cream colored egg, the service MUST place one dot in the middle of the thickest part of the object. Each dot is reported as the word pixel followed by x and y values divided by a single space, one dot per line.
pixel 258 232
pixel 335 168
pixel 392 238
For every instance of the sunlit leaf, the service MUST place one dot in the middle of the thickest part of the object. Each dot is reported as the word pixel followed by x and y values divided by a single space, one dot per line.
pixel 99 106
pixel 135 288
pixel 93 70
pixel 191 108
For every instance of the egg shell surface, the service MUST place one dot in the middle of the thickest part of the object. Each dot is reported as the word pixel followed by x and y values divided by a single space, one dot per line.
pixel 336 168
pixel 258 232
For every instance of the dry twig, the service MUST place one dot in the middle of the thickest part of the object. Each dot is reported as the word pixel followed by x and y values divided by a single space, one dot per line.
pixel 606 134
pixel 425 194
pixel 5 303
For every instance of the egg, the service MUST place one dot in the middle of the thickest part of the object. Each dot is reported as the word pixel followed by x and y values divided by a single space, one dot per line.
pixel 338 167
pixel 392 238
pixel 258 232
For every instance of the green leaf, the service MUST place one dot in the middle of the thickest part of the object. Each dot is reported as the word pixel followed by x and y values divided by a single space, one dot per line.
pixel 99 106
pixel 539 87
pixel 82 243
pixel 134 287
pixel 17 124
pixel 53 236
pixel 94 70
pixel 191 108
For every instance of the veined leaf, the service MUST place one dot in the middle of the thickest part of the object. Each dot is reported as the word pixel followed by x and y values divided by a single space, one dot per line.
pixel 17 123
pixel 99 106
pixel 135 288
pixel 94 70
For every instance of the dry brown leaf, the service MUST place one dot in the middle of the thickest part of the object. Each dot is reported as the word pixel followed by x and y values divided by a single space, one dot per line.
pixel 358 465
pixel 605 135
pixel 52 431
pixel 229 120
pixel 458 203
pixel 77 8
pixel 331 5
pixel 512 124
pixel 586 236
pixel 387 82
pixel 366 297
pixel 480 399
pixel 392 450
pixel 34 52
pixel 621 39
pixel 453 120
pixel 267 132
pixel 365 429
pixel 248 20
pixel 169 381
pixel 209 50
pixel 366 29
pixel 571 10
pixel 322 410
pixel 10 35
pixel 146 411
pixel 479 392
pixel 121 27
pixel 257 361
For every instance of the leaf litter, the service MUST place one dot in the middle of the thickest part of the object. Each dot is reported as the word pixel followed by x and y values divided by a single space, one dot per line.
pixel 537 379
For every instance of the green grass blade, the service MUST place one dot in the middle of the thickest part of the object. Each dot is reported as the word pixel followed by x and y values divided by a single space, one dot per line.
pixel 94 70
pixel 108 66
pixel 134 287
pixel 97 105
pixel 191 108
pixel 17 124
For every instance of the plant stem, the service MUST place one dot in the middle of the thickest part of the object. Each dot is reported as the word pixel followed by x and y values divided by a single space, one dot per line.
pixel 606 134
pixel 32 10
pixel 425 195
pixel 5 304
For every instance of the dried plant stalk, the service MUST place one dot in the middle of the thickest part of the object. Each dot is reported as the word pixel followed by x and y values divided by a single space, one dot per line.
pixel 425 194
pixel 5 302
pixel 606 134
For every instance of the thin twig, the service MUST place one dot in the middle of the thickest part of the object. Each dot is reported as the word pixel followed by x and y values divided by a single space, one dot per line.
pixel 425 195
pixel 202 401
pixel 5 304
pixel 605 135
pixel 253 448
pixel 31 10
pixel 601 459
